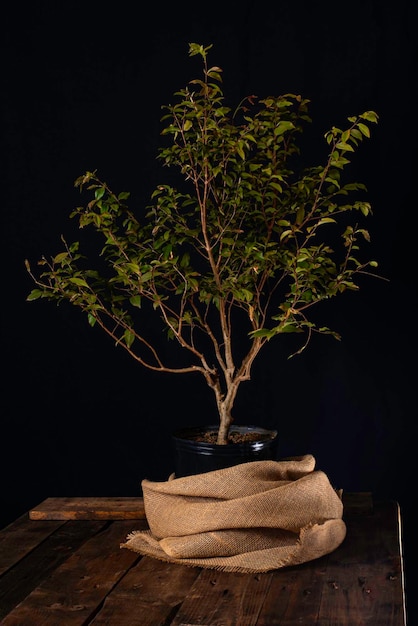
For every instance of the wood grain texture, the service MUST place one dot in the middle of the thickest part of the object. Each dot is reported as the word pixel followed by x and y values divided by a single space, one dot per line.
pixel 89 509
pixel 66 569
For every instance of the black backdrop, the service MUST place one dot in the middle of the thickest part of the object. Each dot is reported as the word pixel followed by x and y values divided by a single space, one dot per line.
pixel 82 88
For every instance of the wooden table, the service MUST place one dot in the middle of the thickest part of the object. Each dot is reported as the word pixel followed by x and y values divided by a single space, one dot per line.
pixel 61 565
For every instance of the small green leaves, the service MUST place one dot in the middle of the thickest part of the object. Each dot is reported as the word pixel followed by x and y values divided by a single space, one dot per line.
pixel 80 282
pixel 234 253
pixel 365 130
pixel 283 127
pixel 60 258
pixel 35 294
pixel 195 48
pixel 129 337
pixel 136 301
pixel 326 220
pixel 370 116
pixel 285 234
pixel 99 193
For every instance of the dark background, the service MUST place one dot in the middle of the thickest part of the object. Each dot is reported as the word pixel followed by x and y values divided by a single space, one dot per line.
pixel 82 88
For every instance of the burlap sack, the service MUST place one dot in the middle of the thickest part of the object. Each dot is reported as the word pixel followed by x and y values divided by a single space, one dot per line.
pixel 253 517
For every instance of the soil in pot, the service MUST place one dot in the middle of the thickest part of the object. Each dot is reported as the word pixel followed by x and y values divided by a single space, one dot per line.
pixel 196 450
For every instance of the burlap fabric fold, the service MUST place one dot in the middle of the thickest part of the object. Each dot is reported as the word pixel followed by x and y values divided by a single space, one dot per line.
pixel 253 517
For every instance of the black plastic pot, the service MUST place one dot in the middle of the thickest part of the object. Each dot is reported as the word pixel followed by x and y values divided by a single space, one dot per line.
pixel 196 457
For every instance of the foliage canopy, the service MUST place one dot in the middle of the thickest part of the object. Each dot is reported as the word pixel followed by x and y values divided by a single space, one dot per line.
pixel 235 256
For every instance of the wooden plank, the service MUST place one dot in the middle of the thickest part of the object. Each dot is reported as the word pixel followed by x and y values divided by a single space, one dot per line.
pixel 224 599
pixel 149 595
pixel 357 503
pixel 20 538
pixel 73 593
pixel 367 571
pixel 44 551
pixel 294 596
pixel 373 536
pixel 358 583
pixel 89 509
pixel 119 508
pixel 363 593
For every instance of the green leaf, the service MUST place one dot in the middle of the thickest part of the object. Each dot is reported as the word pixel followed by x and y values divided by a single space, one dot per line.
pixel 365 130
pixel 370 116
pixel 128 337
pixel 262 332
pixel 134 267
pixel 80 282
pixel 61 257
pixel 289 327
pixel 326 220
pixel 146 277
pixel 136 301
pixel 285 233
pixel 345 146
pixel 99 193
pixel 283 127
pixel 35 294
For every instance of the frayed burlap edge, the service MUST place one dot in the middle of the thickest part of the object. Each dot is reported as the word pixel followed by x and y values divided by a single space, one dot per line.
pixel 307 547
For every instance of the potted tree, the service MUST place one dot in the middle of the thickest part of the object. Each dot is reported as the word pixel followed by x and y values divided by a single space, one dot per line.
pixel 237 254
